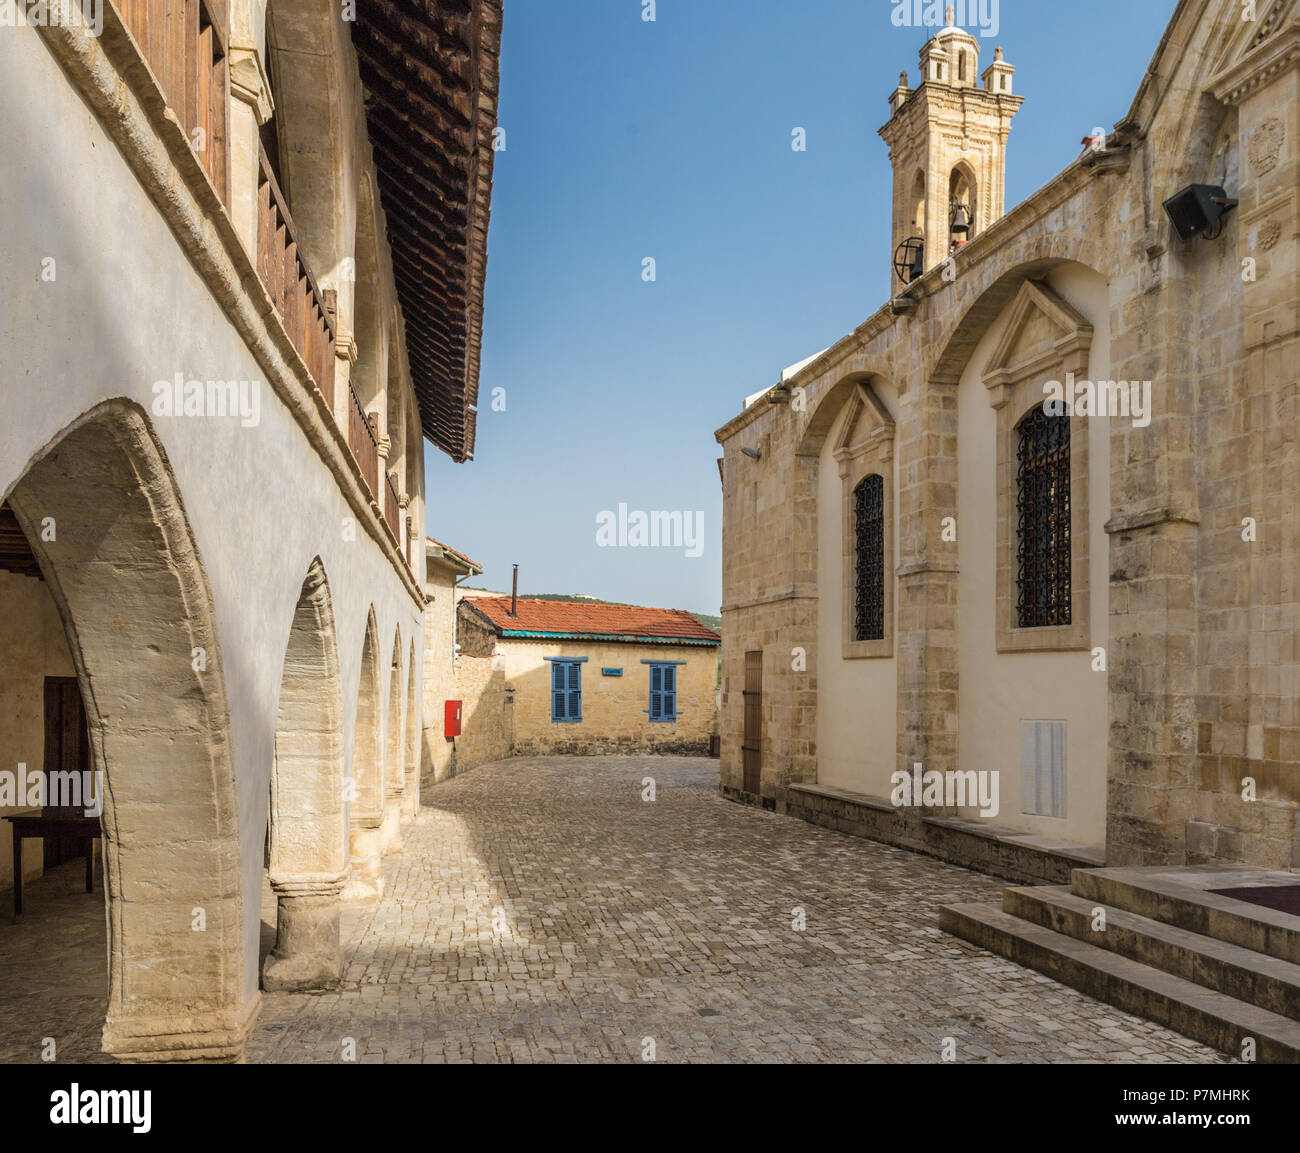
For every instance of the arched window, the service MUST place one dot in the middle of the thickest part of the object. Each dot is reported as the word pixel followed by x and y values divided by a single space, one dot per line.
pixel 1043 518
pixel 869 519
pixel 961 65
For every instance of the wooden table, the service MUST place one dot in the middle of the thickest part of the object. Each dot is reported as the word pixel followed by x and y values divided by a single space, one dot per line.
pixel 52 823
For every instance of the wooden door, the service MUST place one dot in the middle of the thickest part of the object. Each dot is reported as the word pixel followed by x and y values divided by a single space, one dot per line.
pixel 752 745
pixel 67 750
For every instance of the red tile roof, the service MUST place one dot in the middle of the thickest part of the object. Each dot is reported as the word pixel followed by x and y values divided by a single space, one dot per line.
pixel 589 620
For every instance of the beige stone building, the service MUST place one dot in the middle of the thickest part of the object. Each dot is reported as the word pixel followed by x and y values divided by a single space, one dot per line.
pixel 926 562
pixel 545 677
pixel 248 245
pixel 451 674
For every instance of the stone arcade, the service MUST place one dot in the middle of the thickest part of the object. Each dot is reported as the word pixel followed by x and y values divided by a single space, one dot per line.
pixel 229 612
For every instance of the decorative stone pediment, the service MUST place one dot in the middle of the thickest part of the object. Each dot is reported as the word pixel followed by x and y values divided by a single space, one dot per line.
pixel 1254 50
pixel 1043 334
pixel 868 427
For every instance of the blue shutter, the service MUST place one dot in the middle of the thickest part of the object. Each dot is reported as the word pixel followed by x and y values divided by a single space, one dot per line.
pixel 669 700
pixel 559 699
pixel 575 691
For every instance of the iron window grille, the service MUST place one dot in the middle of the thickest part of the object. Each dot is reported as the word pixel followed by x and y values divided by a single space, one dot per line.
pixel 869 517
pixel 1043 512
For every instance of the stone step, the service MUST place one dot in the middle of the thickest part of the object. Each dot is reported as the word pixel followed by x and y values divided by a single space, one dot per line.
pixel 1152 893
pixel 1205 1015
pixel 1220 965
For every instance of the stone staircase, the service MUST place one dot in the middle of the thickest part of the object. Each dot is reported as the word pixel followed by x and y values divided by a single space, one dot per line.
pixel 1215 968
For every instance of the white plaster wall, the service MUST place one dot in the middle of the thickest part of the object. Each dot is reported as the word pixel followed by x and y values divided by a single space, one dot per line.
pixel 32 647
pixel 999 690
pixel 126 310
pixel 857 700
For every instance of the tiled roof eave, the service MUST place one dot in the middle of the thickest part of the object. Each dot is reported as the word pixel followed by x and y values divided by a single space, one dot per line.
pixel 615 638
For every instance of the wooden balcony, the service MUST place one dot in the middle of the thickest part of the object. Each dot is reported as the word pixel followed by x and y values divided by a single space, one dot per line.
pixel 361 438
pixel 392 509
pixel 297 297
pixel 184 42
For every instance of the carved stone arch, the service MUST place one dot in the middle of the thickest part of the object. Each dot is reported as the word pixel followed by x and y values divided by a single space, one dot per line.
pixel 308 823
pixel 411 791
pixel 366 810
pixel 102 513
pixel 994 284
pixel 394 760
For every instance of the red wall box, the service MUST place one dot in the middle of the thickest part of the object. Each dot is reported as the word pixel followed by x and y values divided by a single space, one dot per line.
pixel 451 721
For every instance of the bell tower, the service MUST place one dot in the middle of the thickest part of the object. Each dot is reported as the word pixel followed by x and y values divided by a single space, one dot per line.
pixel 947 144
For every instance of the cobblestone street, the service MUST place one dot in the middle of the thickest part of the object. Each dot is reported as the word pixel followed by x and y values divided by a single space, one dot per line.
pixel 542 911
pixel 618 920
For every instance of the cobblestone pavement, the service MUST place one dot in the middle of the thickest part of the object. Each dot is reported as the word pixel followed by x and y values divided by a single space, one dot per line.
pixel 542 911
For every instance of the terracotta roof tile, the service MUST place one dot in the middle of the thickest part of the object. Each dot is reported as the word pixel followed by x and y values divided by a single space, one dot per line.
pixel 582 618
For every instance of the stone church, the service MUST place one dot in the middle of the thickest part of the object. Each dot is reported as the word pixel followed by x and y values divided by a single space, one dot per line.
pixel 245 248
pixel 1039 515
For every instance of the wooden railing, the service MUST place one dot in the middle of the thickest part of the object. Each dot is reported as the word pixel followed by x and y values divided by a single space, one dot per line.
pixel 391 506
pixel 293 289
pixel 362 440
pixel 184 42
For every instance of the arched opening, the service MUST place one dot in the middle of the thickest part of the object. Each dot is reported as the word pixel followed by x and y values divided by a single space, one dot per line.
pixel 394 763
pixel 101 514
pixel 308 839
pixel 962 194
pixel 411 793
pixel 918 206
pixel 366 786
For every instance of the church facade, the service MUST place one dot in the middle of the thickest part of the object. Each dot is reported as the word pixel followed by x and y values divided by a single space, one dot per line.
pixel 1012 567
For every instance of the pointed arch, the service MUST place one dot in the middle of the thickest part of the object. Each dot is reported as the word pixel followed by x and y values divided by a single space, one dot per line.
pixel 102 512
pixel 366 814
pixel 411 793
pixel 308 829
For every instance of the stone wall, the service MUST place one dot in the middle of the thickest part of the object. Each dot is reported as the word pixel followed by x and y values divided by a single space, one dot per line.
pixel 615 709
pixel 1198 538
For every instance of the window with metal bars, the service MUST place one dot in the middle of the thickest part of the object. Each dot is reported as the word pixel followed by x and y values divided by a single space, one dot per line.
pixel 1043 520
pixel 869 544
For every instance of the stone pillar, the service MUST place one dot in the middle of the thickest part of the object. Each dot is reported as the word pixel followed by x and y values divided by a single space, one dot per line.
pixel 1154 554
pixel 250 108
pixel 391 826
pixel 365 878
pixel 307 953
pixel 926 641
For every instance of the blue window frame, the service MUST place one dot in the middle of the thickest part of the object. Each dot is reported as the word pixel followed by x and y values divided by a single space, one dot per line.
pixel 566 690
pixel 663 691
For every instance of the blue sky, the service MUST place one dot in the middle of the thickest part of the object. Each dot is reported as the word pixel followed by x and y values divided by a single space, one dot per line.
pixel 672 140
